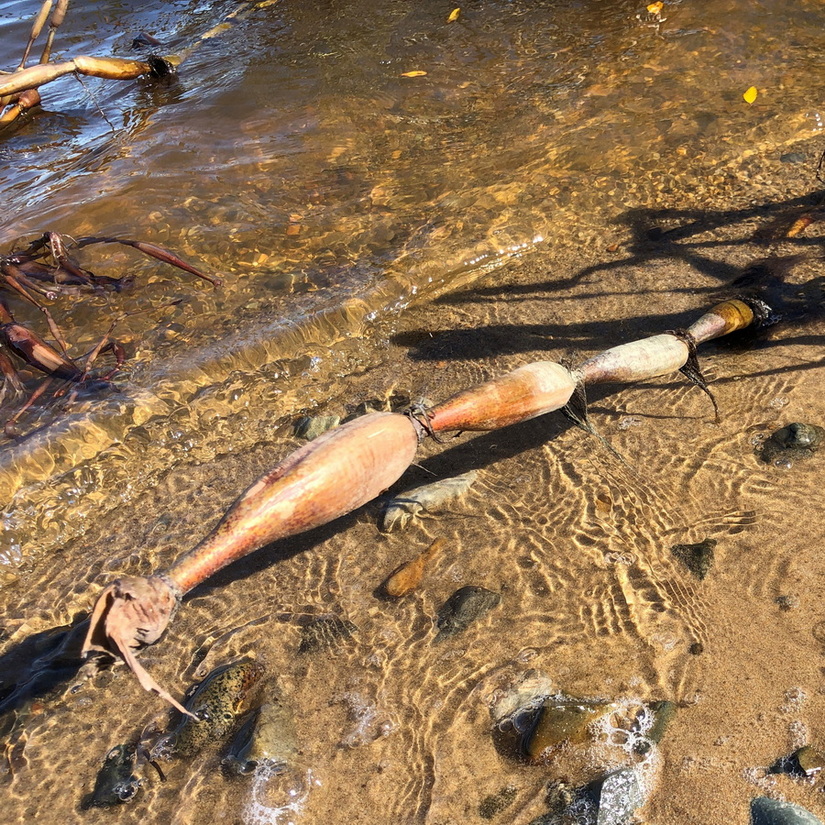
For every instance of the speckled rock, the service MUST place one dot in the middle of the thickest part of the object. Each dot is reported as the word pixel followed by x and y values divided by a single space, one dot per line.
pixel 325 632
pixel 463 608
pixel 698 558
pixel 217 701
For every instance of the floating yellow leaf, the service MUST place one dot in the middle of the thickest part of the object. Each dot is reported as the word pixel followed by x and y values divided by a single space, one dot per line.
pixel 453 15
pixel 413 74
pixel 655 8
pixel 750 95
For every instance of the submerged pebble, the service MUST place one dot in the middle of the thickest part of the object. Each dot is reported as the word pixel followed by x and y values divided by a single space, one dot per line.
pixel 767 811
pixel 267 738
pixel 561 719
pixel 402 509
pixel 310 427
pixel 116 781
pixel 217 702
pixel 787 601
pixel 406 578
pixel 325 632
pixel 791 443
pixel 462 608
pixel 807 436
pixel 698 558
pixel 580 733
pixel 494 804
pixel 809 759
pixel 609 800
pixel 560 795
pixel 806 761
pixel 662 714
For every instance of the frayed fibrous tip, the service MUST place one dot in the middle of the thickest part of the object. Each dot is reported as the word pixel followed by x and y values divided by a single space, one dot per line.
pixel 764 315
pixel 129 613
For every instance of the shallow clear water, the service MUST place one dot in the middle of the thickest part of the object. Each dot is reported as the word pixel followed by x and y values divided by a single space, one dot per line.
pixel 516 185
pixel 292 157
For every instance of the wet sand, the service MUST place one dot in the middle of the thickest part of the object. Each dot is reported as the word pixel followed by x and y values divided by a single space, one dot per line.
pixel 647 180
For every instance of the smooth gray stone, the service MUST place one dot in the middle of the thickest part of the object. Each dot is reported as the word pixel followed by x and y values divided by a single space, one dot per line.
pixel 267 737
pixel 767 811
pixel 621 793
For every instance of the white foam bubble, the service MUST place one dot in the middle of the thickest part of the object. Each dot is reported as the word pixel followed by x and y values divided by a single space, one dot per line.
pixel 278 795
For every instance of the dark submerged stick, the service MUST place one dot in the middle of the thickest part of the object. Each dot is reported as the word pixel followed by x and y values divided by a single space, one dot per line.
pixel 153 251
